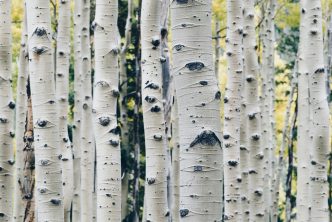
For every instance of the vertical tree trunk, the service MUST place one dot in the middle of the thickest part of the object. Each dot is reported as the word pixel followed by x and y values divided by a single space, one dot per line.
pixel 49 198
pixel 319 111
pixel 62 90
pixel 21 117
pixel 153 113
pixel 6 114
pixel 87 143
pixel 76 208
pixel 198 99
pixel 104 107
pixel 232 110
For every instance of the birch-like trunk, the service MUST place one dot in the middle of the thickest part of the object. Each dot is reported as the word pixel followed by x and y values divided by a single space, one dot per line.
pixel 6 114
pixel 153 113
pixel 303 147
pixel 49 198
pixel 20 197
pixel 232 110
pixel 198 100
pixel 62 91
pixel 76 208
pixel 87 143
pixel 319 111
pixel 106 129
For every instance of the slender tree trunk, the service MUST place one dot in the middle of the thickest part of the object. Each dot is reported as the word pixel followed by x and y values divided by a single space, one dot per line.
pixel 76 208
pixel 106 129
pixel 21 117
pixel 217 47
pixel 62 91
pixel 49 198
pixel 319 111
pixel 232 110
pixel 6 114
pixel 153 113
pixel 87 142
pixel 198 99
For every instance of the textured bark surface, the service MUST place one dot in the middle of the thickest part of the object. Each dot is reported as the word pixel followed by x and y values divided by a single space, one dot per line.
pixel 198 99
pixel 153 113
pixel 232 110
pixel 62 90
pixel 6 114
pixel 20 197
pixel 87 139
pixel 49 198
pixel 256 209
pixel 104 107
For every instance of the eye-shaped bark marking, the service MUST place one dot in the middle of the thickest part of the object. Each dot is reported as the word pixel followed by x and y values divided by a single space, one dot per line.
pixel 40 31
pixel 182 1
pixel 192 66
pixel 157 137
pixel 198 168
pixel 152 86
pixel 179 47
pixel 55 201
pixel 203 83
pixel 45 162
pixel 40 50
pixel 42 190
pixel 42 123
pixel 11 105
pixel 233 163
pixel 206 138
pixel 104 121
pixel 184 212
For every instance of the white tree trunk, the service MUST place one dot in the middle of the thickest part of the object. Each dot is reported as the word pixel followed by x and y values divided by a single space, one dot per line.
pixel 49 198
pixel 232 110
pixel 76 208
pixel 319 111
pixel 198 99
pixel 21 118
pixel 62 90
pixel 6 114
pixel 153 113
pixel 87 143
pixel 104 107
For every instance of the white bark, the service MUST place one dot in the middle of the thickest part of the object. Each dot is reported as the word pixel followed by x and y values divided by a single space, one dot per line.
pixel 76 208
pixel 104 108
pixel 198 99
pixel 49 198
pixel 232 110
pixel 153 113
pixel 6 114
pixel 319 112
pixel 62 90
pixel 87 145
pixel 21 118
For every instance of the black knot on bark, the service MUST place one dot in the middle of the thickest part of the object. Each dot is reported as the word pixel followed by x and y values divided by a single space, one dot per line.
pixel 2 215
pixel 252 116
pixel 184 212
pixel 158 137
pixel 320 70
pixel 229 54
pixel 255 137
pixel 182 1
pixel 303 10
pixel 155 109
pixel 163 32
pixel 226 136
pixel 179 47
pixel 151 180
pixel 203 83
pixel 258 193
pixel 55 201
pixel 233 163
pixel 44 162
pixel 11 105
pixel 41 123
pixel 249 79
pixel 115 50
pixel 108 195
pixel 85 106
pixel 313 32
pixel 206 138
pixel 114 143
pixel 11 162
pixel 217 95
pixel 39 50
pixel 104 121
pixel 116 130
pixel 252 172
pixel 12 134
pixel 239 180
pixel 1 169
pixel 226 100
pixel 313 162
pixel 42 190
pixel 152 86
pixel 155 41
pixel 40 31
pixel 115 93
pixel 228 145
pixel 198 168
pixel 61 53
pixel 167 214
pixel 27 196
pixel 150 99
pixel 162 59
pixel 192 66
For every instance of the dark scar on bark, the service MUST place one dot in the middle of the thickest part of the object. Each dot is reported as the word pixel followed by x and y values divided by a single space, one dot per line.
pixel 206 138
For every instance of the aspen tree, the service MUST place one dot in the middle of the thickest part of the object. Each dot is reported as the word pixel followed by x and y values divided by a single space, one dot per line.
pixel 198 100
pixel 153 113
pixel 87 145
pixel 49 198
pixel 21 117
pixel 232 110
pixel 253 117
pixel 302 197
pixel 106 129
pixel 7 107
pixel 76 208
pixel 62 91
pixel 319 133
